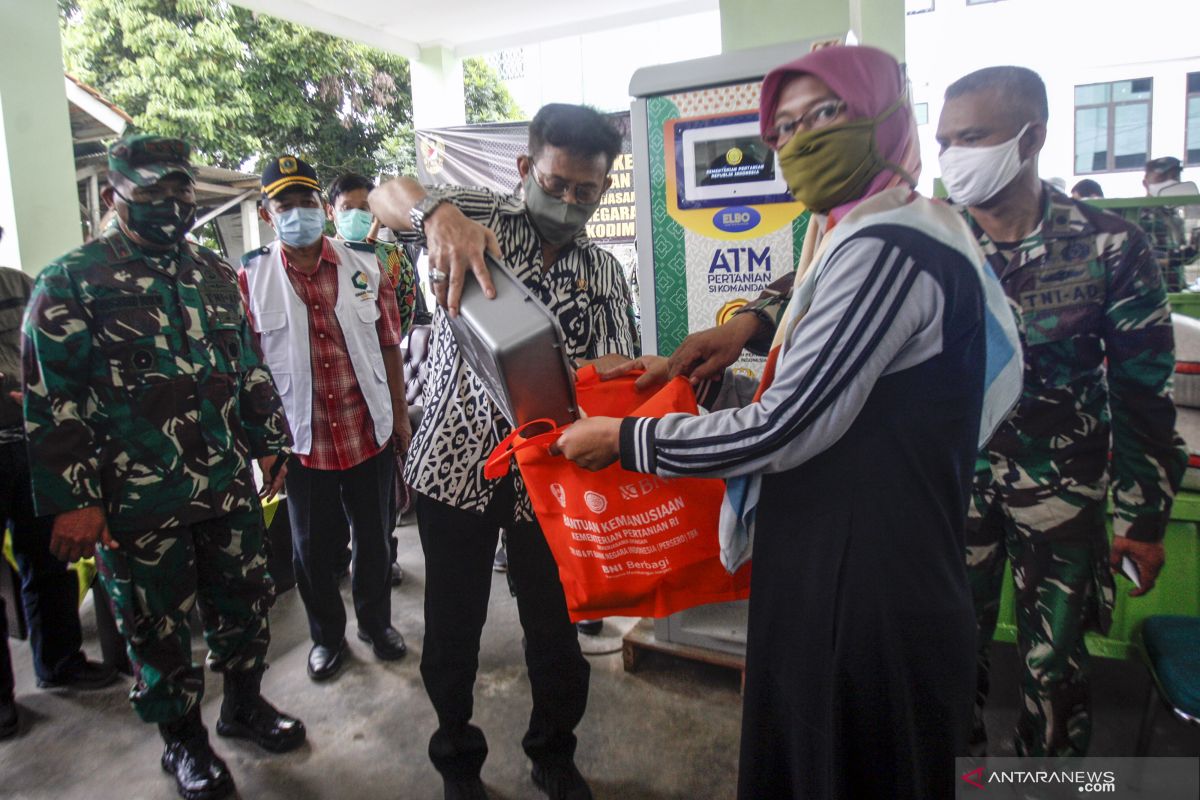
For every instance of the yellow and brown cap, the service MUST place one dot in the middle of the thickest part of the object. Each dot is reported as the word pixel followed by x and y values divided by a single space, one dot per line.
pixel 287 172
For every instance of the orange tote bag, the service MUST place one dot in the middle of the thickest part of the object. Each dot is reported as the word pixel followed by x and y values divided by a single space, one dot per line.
pixel 626 544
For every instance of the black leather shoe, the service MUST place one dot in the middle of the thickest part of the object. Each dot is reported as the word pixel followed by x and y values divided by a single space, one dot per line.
pixel 199 773
pixel 324 662
pixel 590 627
pixel 246 715
pixel 85 678
pixel 387 646
pixel 9 720
pixel 560 782
pixel 464 789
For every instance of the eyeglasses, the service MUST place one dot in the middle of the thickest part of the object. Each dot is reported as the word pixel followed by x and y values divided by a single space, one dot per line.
pixel 819 116
pixel 585 194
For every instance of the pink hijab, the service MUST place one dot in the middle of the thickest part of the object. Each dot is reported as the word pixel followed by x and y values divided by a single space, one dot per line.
pixel 869 81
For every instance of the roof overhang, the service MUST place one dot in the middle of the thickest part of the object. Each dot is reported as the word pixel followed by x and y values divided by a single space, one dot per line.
pixel 468 27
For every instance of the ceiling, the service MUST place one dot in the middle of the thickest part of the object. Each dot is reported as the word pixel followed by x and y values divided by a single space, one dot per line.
pixel 468 27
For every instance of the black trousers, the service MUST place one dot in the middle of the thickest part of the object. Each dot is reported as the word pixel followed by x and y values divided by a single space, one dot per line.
pixel 49 591
pixel 459 547
pixel 319 503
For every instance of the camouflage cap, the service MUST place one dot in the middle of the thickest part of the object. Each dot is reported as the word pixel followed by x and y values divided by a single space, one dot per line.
pixel 145 159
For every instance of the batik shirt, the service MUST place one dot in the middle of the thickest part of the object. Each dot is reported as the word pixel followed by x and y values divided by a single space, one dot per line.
pixel 585 289
pixel 143 391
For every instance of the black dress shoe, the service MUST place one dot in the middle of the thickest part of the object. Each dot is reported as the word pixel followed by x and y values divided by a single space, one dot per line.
pixel 560 781
pixel 9 721
pixel 264 725
pixel 387 646
pixel 245 714
pixel 199 773
pixel 397 575
pixel 590 627
pixel 464 789
pixel 324 662
pixel 86 677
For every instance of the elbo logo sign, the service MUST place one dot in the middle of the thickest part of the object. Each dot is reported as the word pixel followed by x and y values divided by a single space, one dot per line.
pixel 736 219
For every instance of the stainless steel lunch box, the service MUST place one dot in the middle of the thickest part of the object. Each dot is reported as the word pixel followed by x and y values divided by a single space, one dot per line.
pixel 514 344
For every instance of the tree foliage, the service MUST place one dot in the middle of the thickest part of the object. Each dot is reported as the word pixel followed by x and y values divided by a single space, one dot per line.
pixel 241 87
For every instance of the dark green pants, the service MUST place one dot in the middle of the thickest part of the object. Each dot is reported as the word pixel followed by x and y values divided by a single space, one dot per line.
pixel 155 577
pixel 1056 601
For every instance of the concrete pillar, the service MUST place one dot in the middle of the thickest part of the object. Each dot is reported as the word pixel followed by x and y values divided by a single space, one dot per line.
pixel 437 89
pixel 39 203
pixel 756 23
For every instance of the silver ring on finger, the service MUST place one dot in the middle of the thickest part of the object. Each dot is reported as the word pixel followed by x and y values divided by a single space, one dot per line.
pixel 437 276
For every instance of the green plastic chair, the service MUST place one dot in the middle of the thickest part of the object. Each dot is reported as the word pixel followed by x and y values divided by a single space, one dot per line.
pixel 1171 646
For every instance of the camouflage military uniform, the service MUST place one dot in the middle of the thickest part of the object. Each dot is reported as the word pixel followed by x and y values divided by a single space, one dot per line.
pixel 145 396
pixel 1164 228
pixel 1090 295
pixel 404 277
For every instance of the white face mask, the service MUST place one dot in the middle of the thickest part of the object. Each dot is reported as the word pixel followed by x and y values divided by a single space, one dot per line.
pixel 973 175
pixel 1153 189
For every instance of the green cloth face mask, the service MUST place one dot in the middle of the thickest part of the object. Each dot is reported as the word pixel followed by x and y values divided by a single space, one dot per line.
pixel 354 224
pixel 830 166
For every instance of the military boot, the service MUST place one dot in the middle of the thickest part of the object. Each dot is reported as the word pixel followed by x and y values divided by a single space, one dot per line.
pixel 246 715
pixel 199 773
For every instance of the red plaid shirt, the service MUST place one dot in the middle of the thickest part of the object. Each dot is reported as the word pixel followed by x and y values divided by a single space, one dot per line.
pixel 343 433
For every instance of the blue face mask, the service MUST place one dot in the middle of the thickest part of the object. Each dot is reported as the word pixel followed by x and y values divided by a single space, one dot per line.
pixel 299 227
pixel 354 224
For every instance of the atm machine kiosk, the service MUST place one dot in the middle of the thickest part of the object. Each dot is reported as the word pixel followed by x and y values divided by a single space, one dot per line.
pixel 715 225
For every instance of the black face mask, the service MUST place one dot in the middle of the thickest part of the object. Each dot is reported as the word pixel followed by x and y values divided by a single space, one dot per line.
pixel 160 222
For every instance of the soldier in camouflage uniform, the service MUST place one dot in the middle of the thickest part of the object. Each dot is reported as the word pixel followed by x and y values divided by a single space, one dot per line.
pixel 1099 353
pixel 144 403
pixel 1164 225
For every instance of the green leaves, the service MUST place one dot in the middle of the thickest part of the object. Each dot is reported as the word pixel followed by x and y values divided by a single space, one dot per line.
pixel 242 87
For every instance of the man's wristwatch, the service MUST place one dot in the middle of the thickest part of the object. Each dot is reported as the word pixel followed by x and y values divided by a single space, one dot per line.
pixel 421 211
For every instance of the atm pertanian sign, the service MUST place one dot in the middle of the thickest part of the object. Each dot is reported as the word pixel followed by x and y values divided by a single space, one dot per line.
pixel 486 155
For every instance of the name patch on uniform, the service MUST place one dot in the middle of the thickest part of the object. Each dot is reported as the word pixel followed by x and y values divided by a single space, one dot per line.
pixel 1062 295
pixel 126 302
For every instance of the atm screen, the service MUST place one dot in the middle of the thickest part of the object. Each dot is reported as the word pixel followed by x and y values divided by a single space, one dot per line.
pixel 722 161
pixel 737 159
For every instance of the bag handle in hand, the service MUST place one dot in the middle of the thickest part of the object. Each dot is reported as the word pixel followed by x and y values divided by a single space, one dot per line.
pixel 497 463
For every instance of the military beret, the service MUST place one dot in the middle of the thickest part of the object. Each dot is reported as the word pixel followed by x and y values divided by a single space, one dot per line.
pixel 1164 164
pixel 146 159
pixel 286 172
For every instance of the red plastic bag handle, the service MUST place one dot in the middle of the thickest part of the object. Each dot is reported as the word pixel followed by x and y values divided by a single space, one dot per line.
pixel 497 464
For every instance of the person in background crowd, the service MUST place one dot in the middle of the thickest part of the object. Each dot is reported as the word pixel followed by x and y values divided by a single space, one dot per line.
pixel 49 591
pixel 1163 225
pixel 325 314
pixel 897 348
pixel 346 207
pixel 542 238
pixel 1087 189
pixel 145 401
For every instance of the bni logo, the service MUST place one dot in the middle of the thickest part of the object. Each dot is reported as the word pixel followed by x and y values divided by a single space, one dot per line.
pixel 736 219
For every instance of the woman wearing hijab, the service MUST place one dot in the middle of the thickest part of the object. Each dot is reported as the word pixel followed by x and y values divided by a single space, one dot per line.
pixel 851 467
